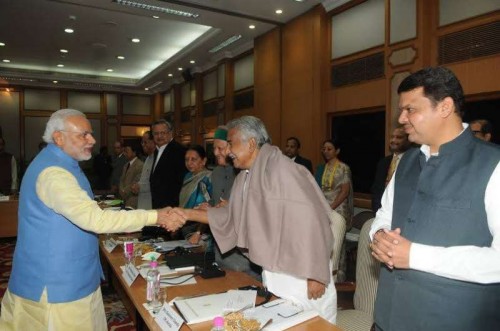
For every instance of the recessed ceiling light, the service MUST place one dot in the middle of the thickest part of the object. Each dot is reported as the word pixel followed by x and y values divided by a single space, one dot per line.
pixel 55 81
pixel 60 65
pixel 251 26
pixel 6 60
pixel 136 40
pixel 180 68
pixel 2 44
pixel 154 16
pixel 69 30
pixel 120 57
pixel 279 11
pixel 192 61
pixel 62 50
pixel 170 75
pixel 146 89
pixel 109 70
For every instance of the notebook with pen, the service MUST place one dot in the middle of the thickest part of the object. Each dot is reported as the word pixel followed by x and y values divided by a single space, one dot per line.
pixel 279 314
pixel 205 308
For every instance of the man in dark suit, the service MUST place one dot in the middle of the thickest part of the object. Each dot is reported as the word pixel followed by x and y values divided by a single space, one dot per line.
pixel 168 167
pixel 385 168
pixel 117 162
pixel 292 151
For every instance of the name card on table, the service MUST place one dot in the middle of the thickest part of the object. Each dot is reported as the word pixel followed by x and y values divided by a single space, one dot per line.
pixel 167 319
pixel 130 273
pixel 110 244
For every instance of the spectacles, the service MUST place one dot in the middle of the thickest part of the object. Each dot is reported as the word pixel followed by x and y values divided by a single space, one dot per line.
pixel 80 134
pixel 160 133
pixel 476 132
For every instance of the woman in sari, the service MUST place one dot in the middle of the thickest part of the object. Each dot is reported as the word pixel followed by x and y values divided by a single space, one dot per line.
pixel 196 189
pixel 334 178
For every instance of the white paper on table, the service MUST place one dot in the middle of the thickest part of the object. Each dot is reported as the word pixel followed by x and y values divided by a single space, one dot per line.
pixel 166 271
pixel 177 281
pixel 275 310
pixel 239 299
pixel 172 244
pixel 163 269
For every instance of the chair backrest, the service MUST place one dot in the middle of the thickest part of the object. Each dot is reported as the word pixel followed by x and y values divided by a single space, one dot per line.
pixel 360 218
pixel 367 272
pixel 338 226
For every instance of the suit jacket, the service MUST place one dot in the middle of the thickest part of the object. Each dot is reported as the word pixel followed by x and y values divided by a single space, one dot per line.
pixel 378 186
pixel 305 162
pixel 167 177
pixel 117 163
pixel 130 176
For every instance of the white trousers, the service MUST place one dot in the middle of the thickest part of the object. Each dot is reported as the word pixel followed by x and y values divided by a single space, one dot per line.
pixel 295 289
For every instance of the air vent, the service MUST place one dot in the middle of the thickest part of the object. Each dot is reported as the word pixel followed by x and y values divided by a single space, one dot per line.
pixel 363 69
pixel 479 41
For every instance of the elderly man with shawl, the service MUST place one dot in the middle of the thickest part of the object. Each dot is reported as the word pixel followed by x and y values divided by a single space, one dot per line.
pixel 279 217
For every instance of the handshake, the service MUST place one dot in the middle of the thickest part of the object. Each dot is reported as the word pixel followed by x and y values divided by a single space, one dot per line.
pixel 171 219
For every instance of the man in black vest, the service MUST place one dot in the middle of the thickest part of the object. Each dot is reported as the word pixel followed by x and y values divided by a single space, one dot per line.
pixel 292 151
pixel 438 230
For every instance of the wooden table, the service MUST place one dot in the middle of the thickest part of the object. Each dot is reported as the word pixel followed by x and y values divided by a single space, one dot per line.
pixel 8 218
pixel 134 296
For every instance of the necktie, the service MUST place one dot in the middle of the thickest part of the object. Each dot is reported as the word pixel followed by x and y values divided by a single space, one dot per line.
pixel 155 160
pixel 392 168
pixel 128 166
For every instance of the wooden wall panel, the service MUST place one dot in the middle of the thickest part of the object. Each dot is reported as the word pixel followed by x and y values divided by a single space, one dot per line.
pixel 479 76
pixel 358 96
pixel 304 42
pixel 267 82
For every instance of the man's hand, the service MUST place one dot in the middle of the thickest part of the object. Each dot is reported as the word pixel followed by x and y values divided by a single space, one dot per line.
pixel 135 188
pixel 171 219
pixel 315 290
pixel 222 203
pixel 203 206
pixel 391 248
pixel 194 239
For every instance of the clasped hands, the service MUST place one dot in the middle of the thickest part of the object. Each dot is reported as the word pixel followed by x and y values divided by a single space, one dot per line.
pixel 391 248
pixel 171 219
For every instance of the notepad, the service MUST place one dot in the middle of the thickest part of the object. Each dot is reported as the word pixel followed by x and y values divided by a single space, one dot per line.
pixel 283 313
pixel 205 308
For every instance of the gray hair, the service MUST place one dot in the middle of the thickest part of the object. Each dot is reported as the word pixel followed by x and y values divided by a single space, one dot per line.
pixel 57 122
pixel 250 127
